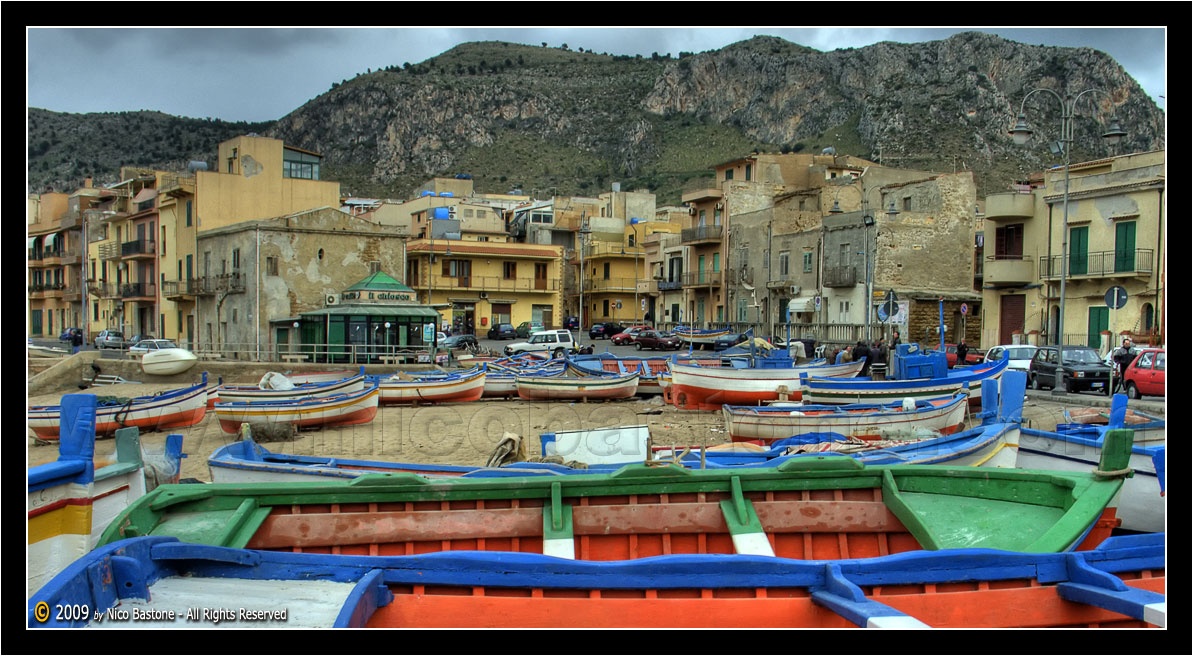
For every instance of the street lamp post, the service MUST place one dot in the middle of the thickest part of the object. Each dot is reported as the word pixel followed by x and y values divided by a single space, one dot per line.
pixel 580 319
pixel 637 249
pixel 1021 133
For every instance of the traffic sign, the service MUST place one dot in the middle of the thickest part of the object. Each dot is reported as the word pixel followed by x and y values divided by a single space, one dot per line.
pixel 1116 297
pixel 964 309
pixel 817 303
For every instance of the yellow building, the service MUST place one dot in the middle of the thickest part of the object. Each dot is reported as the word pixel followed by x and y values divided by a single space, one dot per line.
pixel 1116 238
pixel 54 244
pixel 475 284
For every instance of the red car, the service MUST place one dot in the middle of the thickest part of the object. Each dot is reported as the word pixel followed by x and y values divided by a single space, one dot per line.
pixel 973 356
pixel 655 340
pixel 1145 374
pixel 627 336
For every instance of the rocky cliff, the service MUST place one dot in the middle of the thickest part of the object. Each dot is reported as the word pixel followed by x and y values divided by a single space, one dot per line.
pixel 550 120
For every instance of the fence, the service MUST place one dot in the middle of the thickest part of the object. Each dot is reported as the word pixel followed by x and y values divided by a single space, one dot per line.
pixel 324 353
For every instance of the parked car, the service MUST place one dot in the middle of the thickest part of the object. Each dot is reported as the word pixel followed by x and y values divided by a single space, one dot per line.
pixel 146 345
pixel 503 331
pixel 656 340
pixel 1079 368
pixel 626 336
pixel 68 335
pixel 973 356
pixel 526 328
pixel 572 323
pixel 109 339
pixel 136 339
pixel 459 342
pixel 1145 374
pixel 555 343
pixel 1020 355
pixel 728 341
pixel 606 330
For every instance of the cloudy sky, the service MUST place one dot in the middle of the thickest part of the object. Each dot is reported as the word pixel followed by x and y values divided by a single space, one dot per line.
pixel 255 74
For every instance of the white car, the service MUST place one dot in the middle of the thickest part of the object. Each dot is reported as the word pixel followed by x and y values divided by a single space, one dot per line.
pixel 146 345
pixel 554 343
pixel 1019 354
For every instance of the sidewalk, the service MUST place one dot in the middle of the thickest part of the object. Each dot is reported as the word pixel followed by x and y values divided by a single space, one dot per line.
pixel 1151 405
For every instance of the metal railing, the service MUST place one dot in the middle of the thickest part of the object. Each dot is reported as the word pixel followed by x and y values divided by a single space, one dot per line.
pixel 611 284
pixel 211 285
pixel 175 288
pixel 1097 264
pixel 840 276
pixel 697 278
pixel 138 290
pixel 137 247
pixel 292 353
pixel 701 233
pixel 490 284
pixel 666 285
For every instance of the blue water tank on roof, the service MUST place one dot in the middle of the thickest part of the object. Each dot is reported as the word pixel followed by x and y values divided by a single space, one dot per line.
pixel 426 193
pixel 441 213
pixel 446 194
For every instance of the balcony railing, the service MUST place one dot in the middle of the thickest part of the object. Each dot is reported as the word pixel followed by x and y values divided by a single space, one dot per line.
pixel 490 284
pixel 180 288
pixel 177 185
pixel 1099 264
pixel 698 278
pixel 667 285
pixel 137 247
pixel 212 285
pixel 606 249
pixel 610 285
pixel 109 251
pixel 1007 269
pixel 138 290
pixel 840 276
pixel 701 233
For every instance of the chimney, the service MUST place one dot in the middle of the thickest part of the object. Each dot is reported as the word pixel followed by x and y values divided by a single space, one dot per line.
pixel 87 183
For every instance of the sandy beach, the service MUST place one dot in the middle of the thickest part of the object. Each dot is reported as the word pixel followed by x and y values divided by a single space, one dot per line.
pixel 455 434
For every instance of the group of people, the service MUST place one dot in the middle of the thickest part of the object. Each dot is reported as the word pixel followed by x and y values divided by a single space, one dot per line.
pixel 874 353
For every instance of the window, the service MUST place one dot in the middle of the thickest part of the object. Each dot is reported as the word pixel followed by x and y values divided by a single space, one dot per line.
pixel 271 265
pixel 606 270
pixel 728 174
pixel 844 256
pixel 541 217
pixel 163 240
pixel 188 213
pixel 303 166
pixel 741 309
pixel 510 270
pixel 702 218
pixel 467 214
pixel 783 257
pixel 907 203
pixel 747 172
pixel 807 261
pixel 236 258
pixel 716 262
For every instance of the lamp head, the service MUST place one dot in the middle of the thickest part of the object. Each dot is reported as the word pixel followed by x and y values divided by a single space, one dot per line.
pixel 1115 133
pixel 1021 132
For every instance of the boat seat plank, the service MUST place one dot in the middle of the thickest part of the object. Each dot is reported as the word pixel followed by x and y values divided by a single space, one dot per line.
pixel 327 529
pixel 845 598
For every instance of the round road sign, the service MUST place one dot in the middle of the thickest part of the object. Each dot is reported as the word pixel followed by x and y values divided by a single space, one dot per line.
pixel 1116 297
pixel 964 309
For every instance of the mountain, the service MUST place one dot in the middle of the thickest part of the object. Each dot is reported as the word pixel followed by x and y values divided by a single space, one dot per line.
pixel 553 120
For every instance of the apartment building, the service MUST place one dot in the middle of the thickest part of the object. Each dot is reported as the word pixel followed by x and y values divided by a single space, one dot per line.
pixel 1116 233
pixel 54 270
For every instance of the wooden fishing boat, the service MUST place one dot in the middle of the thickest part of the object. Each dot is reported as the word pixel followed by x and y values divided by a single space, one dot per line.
pixel 1120 584
pixel 174 409
pixel 708 388
pixel 865 390
pixel 455 387
pixel 862 420
pixel 337 410
pixel 502 378
pixel 72 500
pixel 553 388
pixel 700 338
pixel 824 507
pixel 270 390
pixel 1091 422
pixel 168 362
pixel 303 378
pixel 647 368
pixel 1142 505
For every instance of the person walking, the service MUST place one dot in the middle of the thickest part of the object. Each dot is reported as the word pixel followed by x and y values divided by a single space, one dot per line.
pixel 962 351
pixel 1122 359
pixel 76 340
pixel 862 351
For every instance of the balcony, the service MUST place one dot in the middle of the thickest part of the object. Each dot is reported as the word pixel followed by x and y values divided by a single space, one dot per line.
pixel 1099 264
pixel 1010 207
pixel 109 251
pixel 181 290
pixel 669 285
pixel 840 276
pixel 629 285
pixel 648 287
pixel 490 284
pixel 138 291
pixel 702 279
pixel 137 249
pixel 611 249
pixel 228 283
pixel 701 195
pixel 1002 270
pixel 70 220
pixel 706 233
pixel 177 185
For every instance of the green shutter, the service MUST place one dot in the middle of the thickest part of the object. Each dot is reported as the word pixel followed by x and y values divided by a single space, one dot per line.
pixel 1124 247
pixel 1079 251
pixel 1099 320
